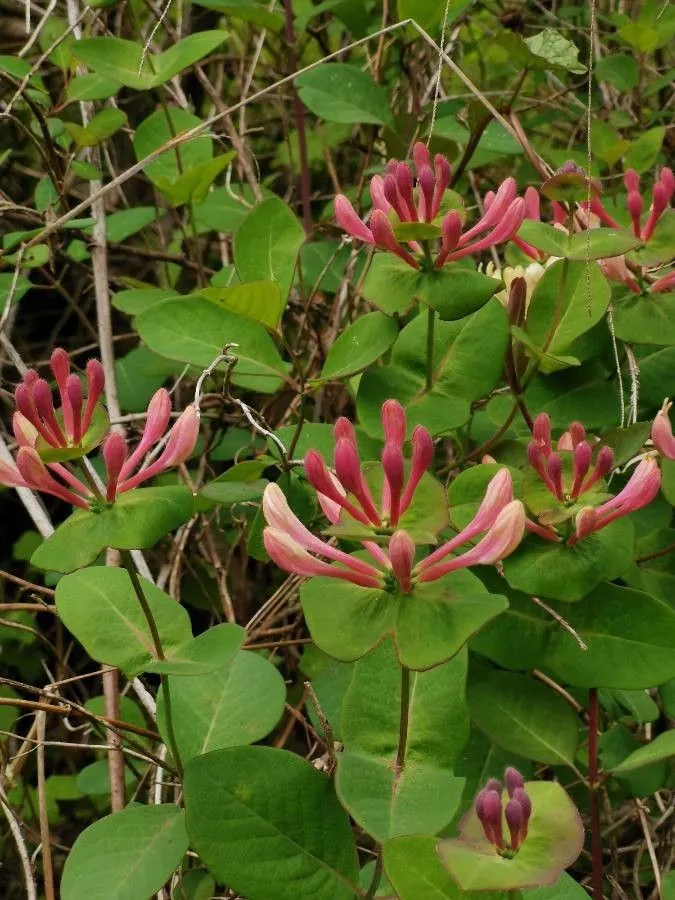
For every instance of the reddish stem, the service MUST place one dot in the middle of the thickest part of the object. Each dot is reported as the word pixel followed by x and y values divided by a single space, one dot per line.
pixel 593 801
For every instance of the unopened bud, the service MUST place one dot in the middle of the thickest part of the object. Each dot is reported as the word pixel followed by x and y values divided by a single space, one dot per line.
pixel 516 303
pixel 402 556
pixel 515 820
pixel 541 432
pixel 578 432
pixel 631 180
pixel 489 811
pixel 421 156
pixel 114 456
pixel 394 422
pixel 393 466
pixel 513 779
pixel 426 188
pixel 74 392
pixel 554 471
pixel 582 462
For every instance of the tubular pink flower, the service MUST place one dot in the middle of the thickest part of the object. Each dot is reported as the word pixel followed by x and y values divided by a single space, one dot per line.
pixel 667 179
pixel 662 432
pixel 585 523
pixel 665 283
pixel 25 434
pixel 421 155
pixel 488 806
pixel 503 231
pixel 537 460
pixel 394 198
pixel 634 206
pixel 70 479
pixel 348 220
pixel 114 456
pixel 348 469
pixel 60 366
pixel 422 455
pixel 659 203
pixel 320 479
pixel 158 416
pixel 499 542
pixel 384 237
pixel 578 433
pixel 541 432
pixel 394 422
pixel 291 557
pixel 582 462
pixel 44 408
pixel 10 476
pixel 494 214
pixel 543 531
pixel 425 203
pixel 344 430
pixel 402 556
pixel 74 392
pixel 631 180
pixel 599 210
pixel 404 182
pixel 451 230
pixel 498 494
pixel 36 475
pixel 281 517
pixel 554 472
pixel 394 474
pixel 616 269
pixel 180 444
pixel 603 466
pixel 513 779
pixel 95 386
pixel 641 488
pixel 443 173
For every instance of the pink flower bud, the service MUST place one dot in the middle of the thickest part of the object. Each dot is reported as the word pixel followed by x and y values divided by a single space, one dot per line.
pixel 634 204
pixel 451 231
pixel 662 432
pixel 532 204
pixel 10 475
pixel 578 433
pixel 559 213
pixel 631 180
pixel 74 392
pixel 394 199
pixel 515 821
pixel 377 194
pixel 443 175
pixel 659 203
pixel 402 556
pixel 665 283
pixel 494 784
pixel 642 487
pixel 603 466
pixel 522 797
pixel 554 472
pixel 348 220
pixel 565 442
pixel 180 444
pixel 384 237
pixel 599 210
pixel 95 386
pixel 426 182
pixel 667 179
pixel 404 182
pixel 582 463
pixel 348 469
pixel 421 156
pixel 513 779
pixel 48 427
pixel 344 430
pixel 25 434
pixel 59 363
pixel 495 212
pixel 541 432
pixel 489 811
pixel 114 456
pixel 394 422
pixel 422 455
pixel 37 476
pixel 158 416
pixel 291 557
pixel 393 466
pixel 319 477
pixel 30 376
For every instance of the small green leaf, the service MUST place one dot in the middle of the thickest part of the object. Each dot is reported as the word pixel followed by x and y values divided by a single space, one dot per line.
pixel 544 237
pixel 260 301
pixel 102 126
pixel 600 243
pixel 126 856
pixel 98 594
pixel 267 243
pixel 359 345
pixel 618 69
pixel 645 319
pixel 247 11
pixel 202 655
pixel 237 703
pixel 193 185
pixel 523 716
pixel 159 128
pixel 91 87
pixel 341 92
pixel 555 51
pixel 662 747
pixel 644 151
pixel 272 806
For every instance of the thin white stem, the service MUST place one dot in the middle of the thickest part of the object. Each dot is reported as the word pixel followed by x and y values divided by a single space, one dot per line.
pixel 22 850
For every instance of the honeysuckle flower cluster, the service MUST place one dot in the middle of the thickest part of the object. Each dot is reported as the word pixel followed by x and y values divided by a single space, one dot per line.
pixel 491 813
pixel 345 496
pixel 396 200
pixel 43 432
pixel 641 488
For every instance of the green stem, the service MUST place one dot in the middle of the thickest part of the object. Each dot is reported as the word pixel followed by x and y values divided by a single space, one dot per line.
pixel 403 722
pixel 159 651
pixel 431 321
pixel 377 877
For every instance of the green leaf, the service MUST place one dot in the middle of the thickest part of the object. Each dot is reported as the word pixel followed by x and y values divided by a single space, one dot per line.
pixel 120 60
pixel 247 11
pixel 567 573
pixel 629 635
pixel 429 14
pixel 202 655
pixel 267 243
pixel 660 248
pixel 359 345
pixel 554 840
pixel 340 92
pixel 416 873
pixel 159 128
pixel 238 703
pixel 544 237
pixel 643 152
pixel 122 225
pixel 99 594
pixel 423 797
pixel 646 319
pixel 468 360
pixel 260 301
pixel 138 519
pixel 104 124
pixel 91 87
pixel 600 243
pixel 618 69
pixel 126 856
pixel 195 330
pixel 137 300
pixel 583 304
pixel 555 51
pixel 271 806
pixel 668 480
pixel 428 627
pixel 453 291
pixel 523 716
pixel 193 185
pixel 661 747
